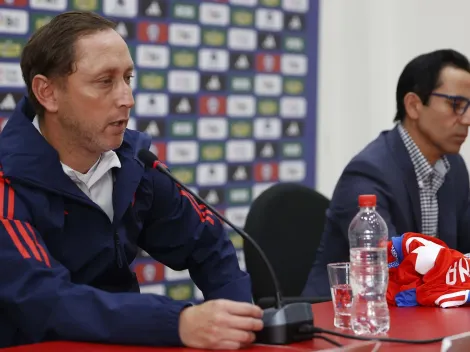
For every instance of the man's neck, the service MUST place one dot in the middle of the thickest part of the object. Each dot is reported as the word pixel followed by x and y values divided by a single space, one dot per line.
pixel 429 151
pixel 70 153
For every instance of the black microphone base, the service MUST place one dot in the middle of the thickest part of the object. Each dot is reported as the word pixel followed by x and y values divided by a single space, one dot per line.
pixel 291 323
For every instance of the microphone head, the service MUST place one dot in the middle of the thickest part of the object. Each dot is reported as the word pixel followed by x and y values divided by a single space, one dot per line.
pixel 147 157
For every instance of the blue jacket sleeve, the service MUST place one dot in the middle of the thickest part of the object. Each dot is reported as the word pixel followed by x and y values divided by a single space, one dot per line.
pixel 358 178
pixel 41 302
pixel 182 234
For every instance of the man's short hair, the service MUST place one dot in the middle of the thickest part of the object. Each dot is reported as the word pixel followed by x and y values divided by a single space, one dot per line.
pixel 421 76
pixel 51 49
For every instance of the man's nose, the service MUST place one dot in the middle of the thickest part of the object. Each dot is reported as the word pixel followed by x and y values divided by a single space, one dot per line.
pixel 465 118
pixel 126 98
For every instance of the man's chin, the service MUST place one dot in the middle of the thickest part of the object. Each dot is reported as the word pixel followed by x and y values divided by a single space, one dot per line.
pixel 113 143
pixel 453 149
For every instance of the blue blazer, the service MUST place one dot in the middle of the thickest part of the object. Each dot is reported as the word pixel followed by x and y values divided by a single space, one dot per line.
pixel 384 168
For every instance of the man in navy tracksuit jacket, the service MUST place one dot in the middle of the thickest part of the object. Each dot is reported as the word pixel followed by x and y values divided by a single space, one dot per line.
pixel 65 261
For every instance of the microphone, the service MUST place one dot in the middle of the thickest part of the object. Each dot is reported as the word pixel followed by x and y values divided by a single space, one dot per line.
pixel 283 323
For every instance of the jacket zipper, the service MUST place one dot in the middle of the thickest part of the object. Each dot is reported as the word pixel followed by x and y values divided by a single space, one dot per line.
pixel 117 244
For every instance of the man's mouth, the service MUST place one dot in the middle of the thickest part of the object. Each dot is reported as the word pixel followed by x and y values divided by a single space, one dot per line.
pixel 119 123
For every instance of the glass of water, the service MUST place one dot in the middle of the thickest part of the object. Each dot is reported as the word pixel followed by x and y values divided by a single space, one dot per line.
pixel 341 293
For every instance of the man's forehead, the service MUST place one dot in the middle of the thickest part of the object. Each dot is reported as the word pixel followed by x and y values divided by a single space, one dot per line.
pixel 101 43
pixel 108 66
pixel 455 77
pixel 103 53
pixel 451 73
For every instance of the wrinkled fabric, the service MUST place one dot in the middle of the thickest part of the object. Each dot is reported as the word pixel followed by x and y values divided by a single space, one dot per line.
pixel 424 271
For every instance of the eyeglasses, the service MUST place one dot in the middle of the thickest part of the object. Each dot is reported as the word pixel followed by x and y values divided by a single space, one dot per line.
pixel 459 104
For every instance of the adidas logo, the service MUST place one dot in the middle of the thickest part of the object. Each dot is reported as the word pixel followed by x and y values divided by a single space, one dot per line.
pixel 212 197
pixel 183 106
pixel 153 129
pixel 122 29
pixel 242 63
pixel 295 23
pixel 8 103
pixel 153 9
pixel 213 83
pixel 269 42
pixel 267 151
pixel 293 130
pixel 240 174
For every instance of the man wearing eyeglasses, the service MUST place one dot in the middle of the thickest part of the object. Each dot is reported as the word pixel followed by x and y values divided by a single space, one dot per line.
pixel 421 181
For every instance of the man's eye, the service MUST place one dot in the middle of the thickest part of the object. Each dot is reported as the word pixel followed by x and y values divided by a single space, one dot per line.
pixel 458 104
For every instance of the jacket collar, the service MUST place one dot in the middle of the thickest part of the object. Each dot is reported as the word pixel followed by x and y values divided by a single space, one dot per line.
pixel 403 160
pixel 446 228
pixel 26 157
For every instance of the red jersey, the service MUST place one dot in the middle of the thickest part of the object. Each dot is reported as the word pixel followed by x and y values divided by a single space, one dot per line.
pixel 424 271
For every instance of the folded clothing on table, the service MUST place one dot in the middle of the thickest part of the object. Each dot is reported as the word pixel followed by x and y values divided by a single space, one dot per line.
pixel 424 271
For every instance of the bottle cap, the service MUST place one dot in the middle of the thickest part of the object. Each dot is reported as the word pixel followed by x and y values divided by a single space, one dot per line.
pixel 367 200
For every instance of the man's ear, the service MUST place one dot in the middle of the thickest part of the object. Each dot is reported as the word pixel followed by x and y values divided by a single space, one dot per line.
pixel 45 91
pixel 413 105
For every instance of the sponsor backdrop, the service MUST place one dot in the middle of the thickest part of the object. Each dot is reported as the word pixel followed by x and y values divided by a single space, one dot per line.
pixel 224 87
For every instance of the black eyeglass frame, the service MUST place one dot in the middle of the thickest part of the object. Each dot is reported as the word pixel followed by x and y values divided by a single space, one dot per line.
pixel 454 99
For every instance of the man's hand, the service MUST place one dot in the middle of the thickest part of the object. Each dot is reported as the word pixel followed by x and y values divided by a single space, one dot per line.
pixel 220 324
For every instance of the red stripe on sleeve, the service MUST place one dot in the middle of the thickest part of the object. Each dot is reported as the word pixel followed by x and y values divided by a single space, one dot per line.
pixel 41 248
pixel 28 240
pixel 7 224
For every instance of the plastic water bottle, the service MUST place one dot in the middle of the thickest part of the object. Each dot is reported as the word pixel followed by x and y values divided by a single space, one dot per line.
pixel 368 236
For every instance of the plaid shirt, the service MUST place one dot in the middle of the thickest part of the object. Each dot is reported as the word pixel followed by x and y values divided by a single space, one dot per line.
pixel 430 179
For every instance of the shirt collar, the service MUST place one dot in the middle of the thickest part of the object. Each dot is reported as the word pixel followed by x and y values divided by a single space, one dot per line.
pixel 106 162
pixel 423 168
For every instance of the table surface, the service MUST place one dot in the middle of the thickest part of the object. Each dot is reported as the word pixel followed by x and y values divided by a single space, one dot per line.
pixel 414 323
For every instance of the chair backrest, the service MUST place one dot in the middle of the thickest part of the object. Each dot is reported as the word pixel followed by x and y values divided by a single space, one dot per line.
pixel 287 222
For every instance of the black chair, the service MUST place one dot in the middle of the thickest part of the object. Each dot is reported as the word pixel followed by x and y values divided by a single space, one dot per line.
pixel 287 222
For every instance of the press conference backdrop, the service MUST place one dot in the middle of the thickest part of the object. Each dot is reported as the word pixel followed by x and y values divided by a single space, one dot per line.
pixel 227 90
